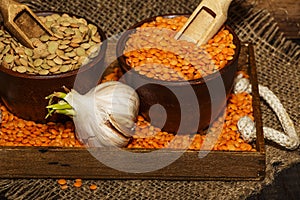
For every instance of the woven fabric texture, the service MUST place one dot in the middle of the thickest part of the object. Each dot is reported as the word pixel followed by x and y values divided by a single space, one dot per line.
pixel 278 69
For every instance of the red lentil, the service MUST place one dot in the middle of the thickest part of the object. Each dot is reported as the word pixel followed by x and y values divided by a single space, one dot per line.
pixel 77 183
pixel 64 187
pixel 62 181
pixel 93 187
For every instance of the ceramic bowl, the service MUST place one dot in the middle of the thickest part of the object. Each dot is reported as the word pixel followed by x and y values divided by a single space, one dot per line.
pixel 24 94
pixel 188 106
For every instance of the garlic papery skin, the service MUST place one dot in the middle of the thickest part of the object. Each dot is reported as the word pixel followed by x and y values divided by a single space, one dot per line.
pixel 106 115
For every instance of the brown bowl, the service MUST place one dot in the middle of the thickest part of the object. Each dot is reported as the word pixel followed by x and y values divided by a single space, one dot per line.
pixel 24 94
pixel 188 106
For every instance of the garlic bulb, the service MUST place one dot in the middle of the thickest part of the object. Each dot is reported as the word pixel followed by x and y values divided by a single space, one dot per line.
pixel 105 116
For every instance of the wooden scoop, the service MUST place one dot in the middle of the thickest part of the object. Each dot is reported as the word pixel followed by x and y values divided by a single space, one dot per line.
pixel 22 22
pixel 205 21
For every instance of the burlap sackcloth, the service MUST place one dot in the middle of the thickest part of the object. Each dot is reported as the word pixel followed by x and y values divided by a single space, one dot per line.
pixel 278 68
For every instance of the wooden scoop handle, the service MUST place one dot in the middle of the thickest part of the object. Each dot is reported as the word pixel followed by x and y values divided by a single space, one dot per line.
pixel 205 21
pixel 22 22
pixel 10 8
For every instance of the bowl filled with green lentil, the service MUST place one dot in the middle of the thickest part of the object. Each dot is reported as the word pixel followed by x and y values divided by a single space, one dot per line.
pixel 72 57
pixel 182 87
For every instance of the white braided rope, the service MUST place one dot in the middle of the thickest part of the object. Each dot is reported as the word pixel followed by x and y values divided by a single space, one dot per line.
pixel 246 126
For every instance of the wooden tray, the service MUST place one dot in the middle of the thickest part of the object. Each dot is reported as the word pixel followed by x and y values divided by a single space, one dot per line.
pixel 53 162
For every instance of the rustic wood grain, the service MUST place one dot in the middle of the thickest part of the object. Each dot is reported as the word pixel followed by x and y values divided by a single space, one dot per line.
pixel 286 13
pixel 260 140
pixel 74 163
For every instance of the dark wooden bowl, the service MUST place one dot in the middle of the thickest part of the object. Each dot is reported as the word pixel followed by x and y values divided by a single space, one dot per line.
pixel 24 94
pixel 189 106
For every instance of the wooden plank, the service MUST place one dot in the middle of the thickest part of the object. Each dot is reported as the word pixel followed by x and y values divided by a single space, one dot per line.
pixel 79 163
pixel 286 13
pixel 260 141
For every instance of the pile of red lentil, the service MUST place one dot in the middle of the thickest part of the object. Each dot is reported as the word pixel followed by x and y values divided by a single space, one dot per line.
pixel 154 52
pixel 15 131
pixel 148 136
